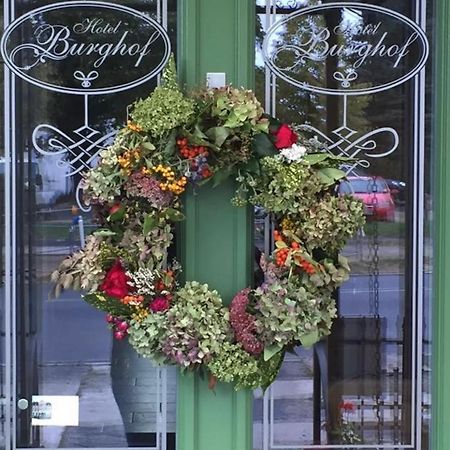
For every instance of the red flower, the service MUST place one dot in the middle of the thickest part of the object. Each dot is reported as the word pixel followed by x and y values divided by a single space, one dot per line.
pixel 115 283
pixel 115 208
pixel 346 406
pixel 159 304
pixel 285 137
pixel 243 324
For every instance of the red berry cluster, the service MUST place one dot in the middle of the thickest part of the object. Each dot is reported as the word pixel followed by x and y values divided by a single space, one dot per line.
pixel 190 151
pixel 282 253
pixel 198 155
pixel 281 256
pixel 307 267
pixel 119 326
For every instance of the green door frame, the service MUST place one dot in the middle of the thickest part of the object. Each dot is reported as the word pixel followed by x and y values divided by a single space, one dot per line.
pixel 441 295
pixel 218 36
pixel 215 242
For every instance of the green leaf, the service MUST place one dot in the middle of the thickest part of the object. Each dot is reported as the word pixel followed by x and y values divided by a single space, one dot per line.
pixel 148 146
pixel 263 146
pixel 272 373
pixel 218 135
pixel 343 261
pixel 170 147
pixel 332 172
pixel 252 166
pixel 150 222
pixel 108 304
pixel 271 350
pixel 274 123
pixel 118 215
pixel 198 133
pixel 104 232
pixel 221 175
pixel 315 158
pixel 174 215
pixel 309 339
pixel 329 175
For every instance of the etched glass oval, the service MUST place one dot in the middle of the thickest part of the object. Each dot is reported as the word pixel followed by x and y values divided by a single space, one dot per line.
pixel 345 48
pixel 85 47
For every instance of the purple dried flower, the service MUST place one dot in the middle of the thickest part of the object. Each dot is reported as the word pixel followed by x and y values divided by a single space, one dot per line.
pixel 141 185
pixel 243 324
pixel 185 356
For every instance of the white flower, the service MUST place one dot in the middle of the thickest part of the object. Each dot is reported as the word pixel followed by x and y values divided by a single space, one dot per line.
pixel 294 153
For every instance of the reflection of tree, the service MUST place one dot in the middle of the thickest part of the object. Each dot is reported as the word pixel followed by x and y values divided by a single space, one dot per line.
pixel 392 108
pixel 66 111
pixel 301 106
pixel 36 106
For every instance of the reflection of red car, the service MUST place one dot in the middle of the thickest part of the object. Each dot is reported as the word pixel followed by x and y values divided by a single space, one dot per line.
pixel 374 193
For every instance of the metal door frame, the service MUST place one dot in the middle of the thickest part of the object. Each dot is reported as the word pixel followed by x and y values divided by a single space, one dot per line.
pixel 11 240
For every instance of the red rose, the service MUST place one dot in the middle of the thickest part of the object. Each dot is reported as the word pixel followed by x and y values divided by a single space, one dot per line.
pixel 159 304
pixel 114 208
pixel 115 283
pixel 285 137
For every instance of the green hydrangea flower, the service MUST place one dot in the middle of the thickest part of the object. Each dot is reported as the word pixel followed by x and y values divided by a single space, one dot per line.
pixel 234 365
pixel 166 108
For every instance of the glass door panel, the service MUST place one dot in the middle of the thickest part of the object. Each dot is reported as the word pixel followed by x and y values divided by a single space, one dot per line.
pixel 353 75
pixel 75 385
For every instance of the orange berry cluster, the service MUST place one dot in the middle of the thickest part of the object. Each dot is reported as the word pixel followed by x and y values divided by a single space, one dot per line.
pixel 307 267
pixel 198 155
pixel 277 236
pixel 133 300
pixel 282 253
pixel 134 126
pixel 281 256
pixel 191 151
pixel 128 159
pixel 171 184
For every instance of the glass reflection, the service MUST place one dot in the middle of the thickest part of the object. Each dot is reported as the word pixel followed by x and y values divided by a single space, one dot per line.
pixel 358 387
pixel 63 345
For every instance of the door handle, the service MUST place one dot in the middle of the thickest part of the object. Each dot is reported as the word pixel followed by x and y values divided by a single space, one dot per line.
pixel 23 404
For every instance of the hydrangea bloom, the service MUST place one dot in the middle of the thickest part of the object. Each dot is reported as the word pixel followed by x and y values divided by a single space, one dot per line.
pixel 243 324
pixel 140 185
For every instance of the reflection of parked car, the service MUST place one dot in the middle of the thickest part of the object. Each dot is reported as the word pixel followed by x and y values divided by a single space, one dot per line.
pixel 398 191
pixel 374 193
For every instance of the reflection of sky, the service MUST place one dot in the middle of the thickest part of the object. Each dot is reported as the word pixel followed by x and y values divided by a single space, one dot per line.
pixel 351 20
pixel 259 62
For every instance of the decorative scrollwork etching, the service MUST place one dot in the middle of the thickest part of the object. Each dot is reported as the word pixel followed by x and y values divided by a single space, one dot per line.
pixel 80 149
pixel 86 80
pixel 345 142
pixel 345 78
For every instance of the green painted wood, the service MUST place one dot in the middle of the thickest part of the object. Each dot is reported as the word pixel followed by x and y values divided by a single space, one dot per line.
pixel 215 241
pixel 441 309
pixel 216 36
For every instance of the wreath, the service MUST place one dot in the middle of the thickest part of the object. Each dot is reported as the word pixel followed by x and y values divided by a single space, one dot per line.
pixel 176 141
